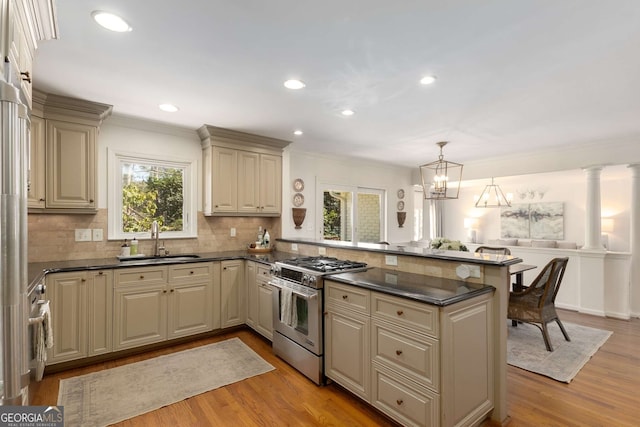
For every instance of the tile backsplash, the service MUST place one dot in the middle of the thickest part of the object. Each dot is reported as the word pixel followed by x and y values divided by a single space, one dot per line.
pixel 52 236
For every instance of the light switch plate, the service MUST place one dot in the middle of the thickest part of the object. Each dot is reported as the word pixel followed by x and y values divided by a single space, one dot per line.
pixel 294 247
pixel 322 251
pixel 233 232
pixel 97 234
pixel 83 234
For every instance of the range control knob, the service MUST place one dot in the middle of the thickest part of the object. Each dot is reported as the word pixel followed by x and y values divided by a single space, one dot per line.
pixel 312 281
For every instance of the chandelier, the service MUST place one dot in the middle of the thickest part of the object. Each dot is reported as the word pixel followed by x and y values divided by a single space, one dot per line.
pixel 493 197
pixel 441 178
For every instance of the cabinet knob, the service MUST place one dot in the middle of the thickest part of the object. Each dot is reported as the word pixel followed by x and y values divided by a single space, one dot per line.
pixel 90 200
pixel 172 290
pixel 191 272
pixel 398 352
pixel 41 199
pixel 345 296
pixel 100 273
pixel 26 76
pixel 164 291
pixel 83 280
pixel 141 277
pixel 400 312
pixel 399 402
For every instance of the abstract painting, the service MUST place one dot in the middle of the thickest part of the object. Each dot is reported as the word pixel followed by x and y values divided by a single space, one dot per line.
pixel 533 221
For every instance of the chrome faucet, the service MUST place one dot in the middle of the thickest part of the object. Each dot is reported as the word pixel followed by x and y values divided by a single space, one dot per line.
pixel 155 233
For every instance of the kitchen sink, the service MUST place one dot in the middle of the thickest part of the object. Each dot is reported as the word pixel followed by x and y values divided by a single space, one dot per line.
pixel 158 259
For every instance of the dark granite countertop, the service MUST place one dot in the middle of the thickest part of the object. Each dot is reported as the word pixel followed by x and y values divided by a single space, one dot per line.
pixel 416 251
pixel 37 270
pixel 429 289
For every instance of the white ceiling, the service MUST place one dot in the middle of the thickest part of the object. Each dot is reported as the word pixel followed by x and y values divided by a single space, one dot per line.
pixel 514 76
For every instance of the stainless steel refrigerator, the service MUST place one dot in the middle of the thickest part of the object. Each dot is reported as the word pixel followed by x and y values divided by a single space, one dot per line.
pixel 14 157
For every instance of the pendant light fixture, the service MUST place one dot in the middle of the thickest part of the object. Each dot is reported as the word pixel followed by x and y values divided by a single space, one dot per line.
pixel 493 197
pixel 441 178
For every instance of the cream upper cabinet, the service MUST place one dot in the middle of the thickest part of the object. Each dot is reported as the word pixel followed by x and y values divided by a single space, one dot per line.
pixel 64 138
pixel 242 173
pixel 36 186
pixel 70 165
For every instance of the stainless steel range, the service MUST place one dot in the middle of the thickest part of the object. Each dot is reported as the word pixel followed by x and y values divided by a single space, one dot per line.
pixel 298 308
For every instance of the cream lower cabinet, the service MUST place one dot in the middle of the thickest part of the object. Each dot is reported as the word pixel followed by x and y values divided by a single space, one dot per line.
pixel 81 312
pixel 420 364
pixel 259 299
pixel 233 293
pixel 153 304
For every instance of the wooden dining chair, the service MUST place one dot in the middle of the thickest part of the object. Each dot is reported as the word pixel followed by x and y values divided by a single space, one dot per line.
pixel 535 304
pixel 493 250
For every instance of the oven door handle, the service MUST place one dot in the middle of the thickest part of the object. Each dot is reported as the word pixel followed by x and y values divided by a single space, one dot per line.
pixel 310 295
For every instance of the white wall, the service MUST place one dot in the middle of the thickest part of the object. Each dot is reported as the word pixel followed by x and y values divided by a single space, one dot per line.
pixel 313 168
pixel 568 187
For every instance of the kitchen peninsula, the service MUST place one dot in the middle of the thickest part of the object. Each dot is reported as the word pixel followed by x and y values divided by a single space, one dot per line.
pixel 492 270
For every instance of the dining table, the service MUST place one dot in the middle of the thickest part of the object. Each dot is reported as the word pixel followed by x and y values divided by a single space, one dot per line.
pixel 518 271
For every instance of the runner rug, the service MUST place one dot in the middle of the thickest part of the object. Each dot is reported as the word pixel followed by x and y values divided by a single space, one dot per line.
pixel 526 349
pixel 113 395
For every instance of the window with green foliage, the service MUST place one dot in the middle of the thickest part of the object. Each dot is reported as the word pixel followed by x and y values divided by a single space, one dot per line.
pixel 147 190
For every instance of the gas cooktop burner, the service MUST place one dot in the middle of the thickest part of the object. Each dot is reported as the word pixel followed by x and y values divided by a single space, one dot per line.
pixel 324 264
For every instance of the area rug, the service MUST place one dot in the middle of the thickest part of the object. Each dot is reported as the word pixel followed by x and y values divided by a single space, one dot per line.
pixel 526 349
pixel 113 395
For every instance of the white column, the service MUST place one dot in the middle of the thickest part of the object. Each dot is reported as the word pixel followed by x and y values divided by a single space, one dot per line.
pixel 635 239
pixel 592 238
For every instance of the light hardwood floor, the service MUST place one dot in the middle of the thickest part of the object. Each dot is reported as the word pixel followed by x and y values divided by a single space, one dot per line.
pixel 604 393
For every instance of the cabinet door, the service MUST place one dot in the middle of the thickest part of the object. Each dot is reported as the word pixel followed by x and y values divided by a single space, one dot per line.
pixel 68 295
pixel 248 182
pixel 224 178
pixel 233 293
pixel 140 315
pixel 252 293
pixel 190 309
pixel 347 351
pixel 70 165
pixel 270 184
pixel 264 321
pixel 36 192
pixel 100 298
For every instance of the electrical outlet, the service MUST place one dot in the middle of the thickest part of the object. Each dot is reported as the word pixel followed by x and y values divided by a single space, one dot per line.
pixel 391 260
pixel 97 234
pixel 294 247
pixel 83 234
pixel 233 232
pixel 322 251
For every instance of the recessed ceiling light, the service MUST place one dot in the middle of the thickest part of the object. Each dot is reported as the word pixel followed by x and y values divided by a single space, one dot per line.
pixel 427 80
pixel 297 132
pixel 294 84
pixel 348 112
pixel 169 108
pixel 110 21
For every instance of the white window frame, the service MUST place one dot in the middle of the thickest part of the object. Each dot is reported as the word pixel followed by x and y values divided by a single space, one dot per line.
pixel 326 186
pixel 114 191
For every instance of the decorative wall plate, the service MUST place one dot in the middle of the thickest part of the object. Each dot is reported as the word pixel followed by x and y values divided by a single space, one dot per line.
pixel 400 205
pixel 298 200
pixel 298 184
pixel 401 194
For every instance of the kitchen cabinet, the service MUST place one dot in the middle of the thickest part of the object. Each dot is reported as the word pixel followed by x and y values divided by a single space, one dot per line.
pixel 81 314
pixel 242 173
pixel 64 134
pixel 420 364
pixel 259 299
pixel 233 310
pixel 347 338
pixel 153 304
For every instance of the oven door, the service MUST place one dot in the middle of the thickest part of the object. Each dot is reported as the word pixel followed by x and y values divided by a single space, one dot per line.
pixel 297 313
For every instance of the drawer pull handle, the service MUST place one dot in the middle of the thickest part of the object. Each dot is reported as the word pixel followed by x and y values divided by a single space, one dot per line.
pixel 26 76
pixel 345 296
pixel 399 402
pixel 400 312
pixel 398 352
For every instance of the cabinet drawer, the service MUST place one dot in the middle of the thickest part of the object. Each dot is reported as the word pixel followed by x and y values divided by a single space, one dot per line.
pixel 404 401
pixel 417 316
pixel 349 297
pixel 138 276
pixel 200 271
pixel 416 356
pixel 263 273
